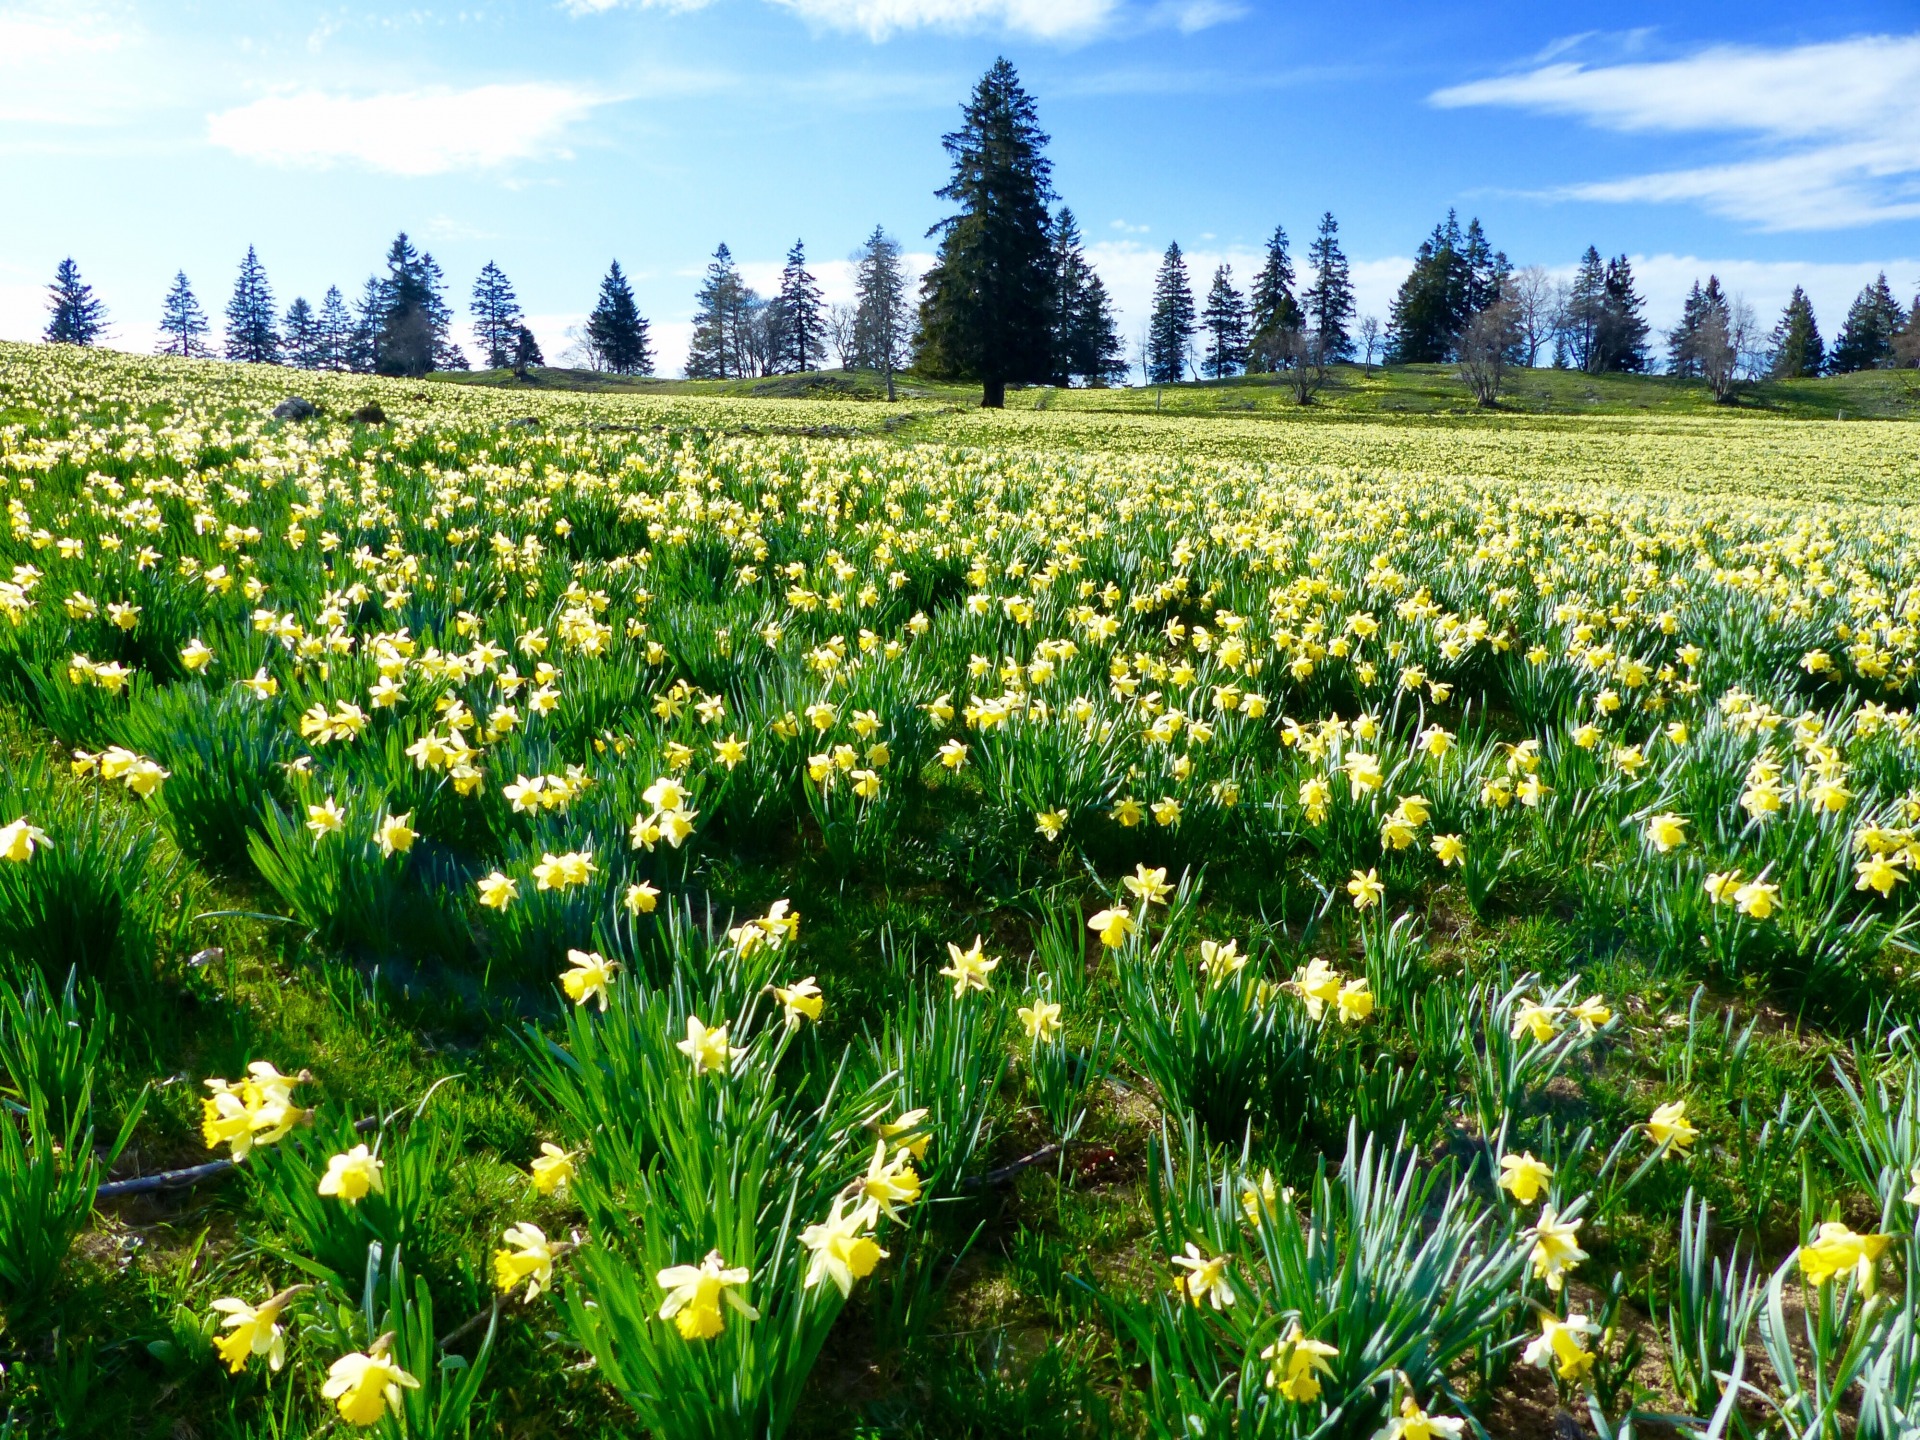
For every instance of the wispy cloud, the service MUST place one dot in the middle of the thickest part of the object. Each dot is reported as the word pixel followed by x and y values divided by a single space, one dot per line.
pixel 1063 21
pixel 419 132
pixel 42 47
pixel 1832 130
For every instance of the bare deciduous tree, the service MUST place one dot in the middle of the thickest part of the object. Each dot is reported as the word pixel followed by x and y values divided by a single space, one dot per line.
pixel 1537 300
pixel 1485 346
pixel 1303 358
pixel 1726 347
pixel 1369 340
pixel 843 334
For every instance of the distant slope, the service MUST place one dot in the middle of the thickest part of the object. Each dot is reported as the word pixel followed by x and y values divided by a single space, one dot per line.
pixel 1411 390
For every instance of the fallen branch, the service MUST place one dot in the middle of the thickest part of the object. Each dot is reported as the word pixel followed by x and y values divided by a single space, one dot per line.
pixel 192 1175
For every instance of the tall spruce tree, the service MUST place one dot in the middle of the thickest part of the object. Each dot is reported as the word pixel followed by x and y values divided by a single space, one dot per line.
pixel 1796 345
pixel 880 306
pixel 253 332
pixel 336 331
pixel 496 316
pixel 1423 319
pixel 1865 341
pixel 1225 321
pixel 1704 320
pixel 1621 343
pixel 411 316
pixel 1328 302
pixel 183 324
pixel 1170 327
pixel 802 332
pixel 617 330
pixel 75 316
pixel 369 314
pixel 719 308
pixel 447 354
pixel 1577 345
pixel 300 336
pixel 987 305
pixel 1273 312
pixel 1087 344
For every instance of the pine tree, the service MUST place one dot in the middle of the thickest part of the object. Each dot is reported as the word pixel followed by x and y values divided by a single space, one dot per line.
pixel 1797 348
pixel 1328 302
pixel 412 316
pixel 1578 343
pixel 1906 343
pixel 1225 320
pixel 252 332
pixel 718 309
pixel 1422 317
pixel 496 316
pixel 336 331
pixel 1865 341
pixel 987 305
pixel 76 317
pixel 1273 312
pixel 1170 328
pixel 1087 344
pixel 803 327
pixel 183 324
pixel 616 329
pixel 1704 320
pixel 1620 343
pixel 447 355
pixel 363 349
pixel 879 306
pixel 1484 274
pixel 300 336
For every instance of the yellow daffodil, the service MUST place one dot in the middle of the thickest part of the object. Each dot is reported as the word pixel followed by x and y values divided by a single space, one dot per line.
pixel 1041 1019
pixel 707 1048
pixel 1203 1280
pixel 527 1255
pixel 1556 1248
pixel 352 1176
pixel 969 968
pixel 842 1249
pixel 1670 1126
pixel 590 978
pixel 365 1386
pixel 552 1170
pixel 1524 1177
pixel 1296 1363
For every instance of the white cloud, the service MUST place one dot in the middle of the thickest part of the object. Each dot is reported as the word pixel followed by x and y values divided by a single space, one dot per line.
pixel 420 132
pixel 41 48
pixel 1042 19
pixel 1836 126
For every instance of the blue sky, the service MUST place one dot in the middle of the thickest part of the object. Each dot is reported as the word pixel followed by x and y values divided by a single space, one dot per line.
pixel 1773 144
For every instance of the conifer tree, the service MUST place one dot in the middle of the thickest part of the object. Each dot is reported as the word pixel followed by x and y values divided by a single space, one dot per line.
pixel 496 316
pixel 1422 318
pixel 412 317
pixel 336 331
pixel 1087 344
pixel 617 330
pixel 1171 325
pixel 1703 319
pixel 1578 344
pixel 252 331
pixel 1328 302
pixel 1225 321
pixel 183 324
pixel 300 336
pixel 76 317
pixel 1621 342
pixel 880 306
pixel 802 330
pixel 1797 348
pixel 719 309
pixel 363 351
pixel 1273 312
pixel 1865 341
pixel 987 306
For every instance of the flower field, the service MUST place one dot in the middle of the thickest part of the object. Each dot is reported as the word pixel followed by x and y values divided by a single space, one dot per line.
pixel 575 917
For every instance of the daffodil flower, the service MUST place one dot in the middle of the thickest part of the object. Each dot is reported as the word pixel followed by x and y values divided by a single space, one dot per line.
pixel 365 1386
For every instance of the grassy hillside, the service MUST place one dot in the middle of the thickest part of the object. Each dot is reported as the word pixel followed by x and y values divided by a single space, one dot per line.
pixel 1353 392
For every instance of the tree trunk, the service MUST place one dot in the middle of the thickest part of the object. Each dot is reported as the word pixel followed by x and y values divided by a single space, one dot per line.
pixel 993 395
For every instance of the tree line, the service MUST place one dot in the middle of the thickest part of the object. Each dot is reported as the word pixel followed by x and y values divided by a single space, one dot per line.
pixel 1012 299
